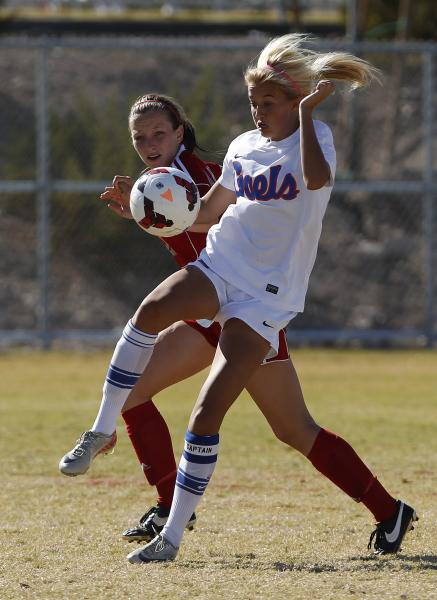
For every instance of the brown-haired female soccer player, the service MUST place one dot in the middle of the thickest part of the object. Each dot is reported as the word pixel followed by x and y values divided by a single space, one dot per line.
pixel 162 136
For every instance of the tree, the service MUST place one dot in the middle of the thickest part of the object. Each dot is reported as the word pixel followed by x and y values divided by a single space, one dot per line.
pixel 397 19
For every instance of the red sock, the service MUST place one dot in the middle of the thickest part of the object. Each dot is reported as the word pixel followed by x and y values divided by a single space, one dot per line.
pixel 151 439
pixel 338 461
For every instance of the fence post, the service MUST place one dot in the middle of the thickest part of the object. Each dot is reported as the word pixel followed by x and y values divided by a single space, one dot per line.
pixel 352 21
pixel 428 198
pixel 43 194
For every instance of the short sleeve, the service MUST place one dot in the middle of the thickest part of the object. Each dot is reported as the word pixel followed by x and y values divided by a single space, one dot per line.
pixel 226 179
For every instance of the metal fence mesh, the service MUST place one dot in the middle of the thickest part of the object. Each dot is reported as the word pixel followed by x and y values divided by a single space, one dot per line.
pixel 69 265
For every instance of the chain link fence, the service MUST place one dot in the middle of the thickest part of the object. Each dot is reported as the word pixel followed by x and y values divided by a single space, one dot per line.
pixel 71 270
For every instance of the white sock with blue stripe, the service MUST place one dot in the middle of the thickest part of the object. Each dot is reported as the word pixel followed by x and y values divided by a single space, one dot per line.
pixel 195 469
pixel 131 355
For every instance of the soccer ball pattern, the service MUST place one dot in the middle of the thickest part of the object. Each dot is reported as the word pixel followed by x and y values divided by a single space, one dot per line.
pixel 164 201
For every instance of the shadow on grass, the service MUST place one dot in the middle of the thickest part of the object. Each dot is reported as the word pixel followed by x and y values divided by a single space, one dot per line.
pixel 426 562
pixel 415 563
pixel 307 568
pixel 259 565
pixel 366 563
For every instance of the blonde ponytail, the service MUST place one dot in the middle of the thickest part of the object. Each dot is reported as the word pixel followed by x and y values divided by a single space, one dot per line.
pixel 297 70
pixel 346 67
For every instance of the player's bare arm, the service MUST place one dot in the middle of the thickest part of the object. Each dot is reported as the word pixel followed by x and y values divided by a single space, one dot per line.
pixel 201 227
pixel 316 171
pixel 214 204
pixel 116 197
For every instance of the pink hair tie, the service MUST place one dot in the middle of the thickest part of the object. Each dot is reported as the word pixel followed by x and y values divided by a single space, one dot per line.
pixel 296 87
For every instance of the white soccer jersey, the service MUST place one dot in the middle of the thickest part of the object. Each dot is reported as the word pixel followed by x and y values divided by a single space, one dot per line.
pixel 266 243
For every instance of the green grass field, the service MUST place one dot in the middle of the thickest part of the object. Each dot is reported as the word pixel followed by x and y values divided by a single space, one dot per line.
pixel 269 525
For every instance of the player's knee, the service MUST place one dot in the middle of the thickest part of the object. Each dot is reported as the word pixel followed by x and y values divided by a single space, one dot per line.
pixel 299 438
pixel 287 436
pixel 136 398
pixel 150 316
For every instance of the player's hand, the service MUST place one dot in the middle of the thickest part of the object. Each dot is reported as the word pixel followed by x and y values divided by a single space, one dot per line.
pixel 116 197
pixel 323 89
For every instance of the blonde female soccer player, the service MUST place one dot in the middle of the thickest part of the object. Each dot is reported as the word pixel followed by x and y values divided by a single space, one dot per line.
pixel 253 274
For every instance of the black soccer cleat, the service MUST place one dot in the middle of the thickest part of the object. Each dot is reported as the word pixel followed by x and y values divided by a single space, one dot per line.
pixel 151 524
pixel 389 534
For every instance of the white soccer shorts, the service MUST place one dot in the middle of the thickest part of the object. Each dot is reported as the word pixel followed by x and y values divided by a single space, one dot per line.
pixel 234 303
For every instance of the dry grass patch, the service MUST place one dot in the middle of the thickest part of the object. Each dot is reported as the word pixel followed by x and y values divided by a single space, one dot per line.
pixel 269 525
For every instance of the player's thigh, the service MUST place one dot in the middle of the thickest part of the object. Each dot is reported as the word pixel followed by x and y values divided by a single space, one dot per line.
pixel 276 390
pixel 180 352
pixel 240 351
pixel 186 294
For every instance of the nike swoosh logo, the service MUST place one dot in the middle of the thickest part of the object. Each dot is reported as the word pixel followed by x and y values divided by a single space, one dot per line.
pixel 393 536
pixel 267 325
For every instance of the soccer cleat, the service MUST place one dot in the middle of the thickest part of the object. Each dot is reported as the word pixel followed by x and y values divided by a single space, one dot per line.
pixel 390 533
pixel 159 549
pixel 88 446
pixel 151 524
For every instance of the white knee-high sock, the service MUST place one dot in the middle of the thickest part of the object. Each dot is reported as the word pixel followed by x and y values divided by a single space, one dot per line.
pixel 131 355
pixel 195 469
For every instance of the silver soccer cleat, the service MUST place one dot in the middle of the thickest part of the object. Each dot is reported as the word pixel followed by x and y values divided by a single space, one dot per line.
pixel 88 446
pixel 158 550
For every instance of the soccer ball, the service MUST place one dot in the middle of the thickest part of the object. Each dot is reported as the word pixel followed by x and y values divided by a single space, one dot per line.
pixel 164 201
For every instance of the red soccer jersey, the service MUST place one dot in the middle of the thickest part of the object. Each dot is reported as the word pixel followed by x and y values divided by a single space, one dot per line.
pixel 187 246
